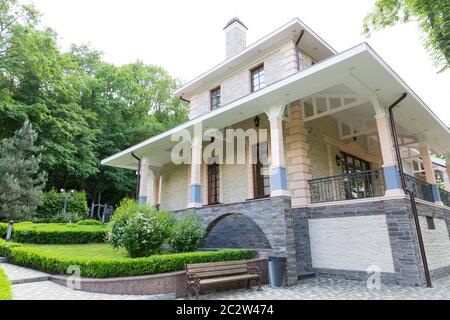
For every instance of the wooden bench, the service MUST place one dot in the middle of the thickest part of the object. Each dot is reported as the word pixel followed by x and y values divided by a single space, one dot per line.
pixel 204 274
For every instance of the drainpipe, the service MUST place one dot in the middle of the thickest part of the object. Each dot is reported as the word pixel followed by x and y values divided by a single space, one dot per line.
pixel 407 191
pixel 297 49
pixel 139 175
pixel 185 100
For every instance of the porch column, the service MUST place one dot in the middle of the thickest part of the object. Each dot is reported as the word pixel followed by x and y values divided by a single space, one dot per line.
pixel 391 171
pixel 157 190
pixel 447 167
pixel 154 184
pixel 143 182
pixel 195 188
pixel 429 172
pixel 277 164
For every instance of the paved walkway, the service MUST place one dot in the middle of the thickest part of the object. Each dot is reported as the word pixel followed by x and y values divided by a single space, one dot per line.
pixel 329 289
pixel 28 284
pixel 34 285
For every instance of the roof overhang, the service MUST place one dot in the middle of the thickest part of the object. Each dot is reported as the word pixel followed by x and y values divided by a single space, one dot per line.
pixel 311 43
pixel 360 62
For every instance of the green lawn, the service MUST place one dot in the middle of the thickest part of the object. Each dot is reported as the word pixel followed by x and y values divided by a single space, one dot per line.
pixel 91 250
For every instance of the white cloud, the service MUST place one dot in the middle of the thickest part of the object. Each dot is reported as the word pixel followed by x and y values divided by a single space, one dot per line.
pixel 186 37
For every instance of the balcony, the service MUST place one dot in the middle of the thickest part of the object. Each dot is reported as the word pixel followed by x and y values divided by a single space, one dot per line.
pixel 358 185
pixel 367 184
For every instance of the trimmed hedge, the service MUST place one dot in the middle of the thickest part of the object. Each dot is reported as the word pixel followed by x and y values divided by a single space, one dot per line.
pixel 53 204
pixel 3 229
pixel 107 268
pixel 5 287
pixel 54 233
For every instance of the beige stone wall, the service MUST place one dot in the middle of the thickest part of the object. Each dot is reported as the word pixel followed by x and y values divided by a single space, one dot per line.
pixel 174 188
pixel 278 64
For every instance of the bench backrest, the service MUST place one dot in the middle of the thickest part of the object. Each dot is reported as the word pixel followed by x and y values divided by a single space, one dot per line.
pixel 218 269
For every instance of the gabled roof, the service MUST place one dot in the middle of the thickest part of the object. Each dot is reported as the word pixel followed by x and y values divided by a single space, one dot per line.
pixel 361 60
pixel 311 43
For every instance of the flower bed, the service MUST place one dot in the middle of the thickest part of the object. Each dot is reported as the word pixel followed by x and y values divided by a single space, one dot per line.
pixel 105 268
pixel 56 233
pixel 5 287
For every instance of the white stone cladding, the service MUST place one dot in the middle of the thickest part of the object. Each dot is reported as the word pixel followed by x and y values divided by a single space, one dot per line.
pixel 235 39
pixel 350 243
pixel 437 243
pixel 174 188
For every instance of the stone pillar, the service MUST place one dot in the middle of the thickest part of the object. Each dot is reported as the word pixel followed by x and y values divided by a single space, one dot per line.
pixel 391 172
pixel 429 172
pixel 278 185
pixel 297 158
pixel 143 182
pixel 195 187
pixel 156 187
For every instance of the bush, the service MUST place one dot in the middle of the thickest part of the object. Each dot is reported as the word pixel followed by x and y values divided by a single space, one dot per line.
pixel 53 233
pixel 3 229
pixel 187 233
pixel 5 247
pixel 140 229
pixel 89 223
pixel 68 217
pixel 106 268
pixel 5 287
pixel 53 204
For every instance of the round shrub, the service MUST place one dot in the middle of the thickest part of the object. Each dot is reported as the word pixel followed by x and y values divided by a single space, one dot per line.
pixel 187 234
pixel 140 229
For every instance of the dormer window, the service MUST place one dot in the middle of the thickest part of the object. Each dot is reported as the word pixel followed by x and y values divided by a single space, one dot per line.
pixel 215 98
pixel 257 77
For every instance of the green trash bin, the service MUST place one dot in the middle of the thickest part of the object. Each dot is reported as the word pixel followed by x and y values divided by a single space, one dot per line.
pixel 277 271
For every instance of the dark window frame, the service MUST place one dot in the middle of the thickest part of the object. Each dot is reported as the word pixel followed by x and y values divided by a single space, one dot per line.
pixel 213 173
pixel 215 100
pixel 261 183
pixel 261 84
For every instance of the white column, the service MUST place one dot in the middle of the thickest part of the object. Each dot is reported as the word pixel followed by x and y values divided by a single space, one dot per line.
pixel 390 169
pixel 195 187
pixel 447 178
pixel 278 185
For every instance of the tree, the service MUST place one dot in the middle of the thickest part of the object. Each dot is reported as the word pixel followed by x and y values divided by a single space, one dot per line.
pixel 21 181
pixel 433 17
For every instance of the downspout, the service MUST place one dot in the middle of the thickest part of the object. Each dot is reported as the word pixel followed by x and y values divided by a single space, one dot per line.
pixel 185 100
pixel 297 49
pixel 138 176
pixel 407 191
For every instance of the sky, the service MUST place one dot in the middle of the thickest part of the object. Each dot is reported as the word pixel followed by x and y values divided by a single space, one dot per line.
pixel 187 39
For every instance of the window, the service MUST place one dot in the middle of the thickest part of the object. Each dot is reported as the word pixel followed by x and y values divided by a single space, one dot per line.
pixel 261 178
pixel 213 183
pixel 351 164
pixel 215 98
pixel 430 223
pixel 257 78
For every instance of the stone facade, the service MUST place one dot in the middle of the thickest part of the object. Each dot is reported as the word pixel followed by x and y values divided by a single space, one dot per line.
pixel 272 215
pixel 398 227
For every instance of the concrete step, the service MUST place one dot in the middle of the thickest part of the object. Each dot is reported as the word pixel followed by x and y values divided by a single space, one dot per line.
pixel 18 275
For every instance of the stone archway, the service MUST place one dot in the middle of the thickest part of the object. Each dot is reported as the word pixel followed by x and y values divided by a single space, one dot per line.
pixel 235 230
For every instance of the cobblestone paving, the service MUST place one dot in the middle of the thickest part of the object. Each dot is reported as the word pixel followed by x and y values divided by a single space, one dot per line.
pixel 329 289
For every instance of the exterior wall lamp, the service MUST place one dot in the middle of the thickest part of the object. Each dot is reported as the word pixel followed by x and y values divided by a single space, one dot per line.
pixel 256 120
pixel 338 160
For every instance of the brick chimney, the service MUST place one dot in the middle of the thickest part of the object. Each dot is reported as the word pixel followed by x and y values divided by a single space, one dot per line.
pixel 235 36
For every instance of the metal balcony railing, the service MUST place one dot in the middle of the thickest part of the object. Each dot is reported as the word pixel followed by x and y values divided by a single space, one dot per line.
pixel 445 197
pixel 358 185
pixel 421 189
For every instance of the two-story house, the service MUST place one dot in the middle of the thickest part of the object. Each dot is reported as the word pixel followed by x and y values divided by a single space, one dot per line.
pixel 320 184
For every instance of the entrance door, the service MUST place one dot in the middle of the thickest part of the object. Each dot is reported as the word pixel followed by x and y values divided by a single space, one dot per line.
pixel 356 185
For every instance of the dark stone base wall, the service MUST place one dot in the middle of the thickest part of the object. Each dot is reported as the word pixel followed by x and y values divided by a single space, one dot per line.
pixel 236 231
pixel 401 230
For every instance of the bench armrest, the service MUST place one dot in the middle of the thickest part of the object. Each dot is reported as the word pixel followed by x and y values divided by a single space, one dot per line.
pixel 192 279
pixel 254 270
